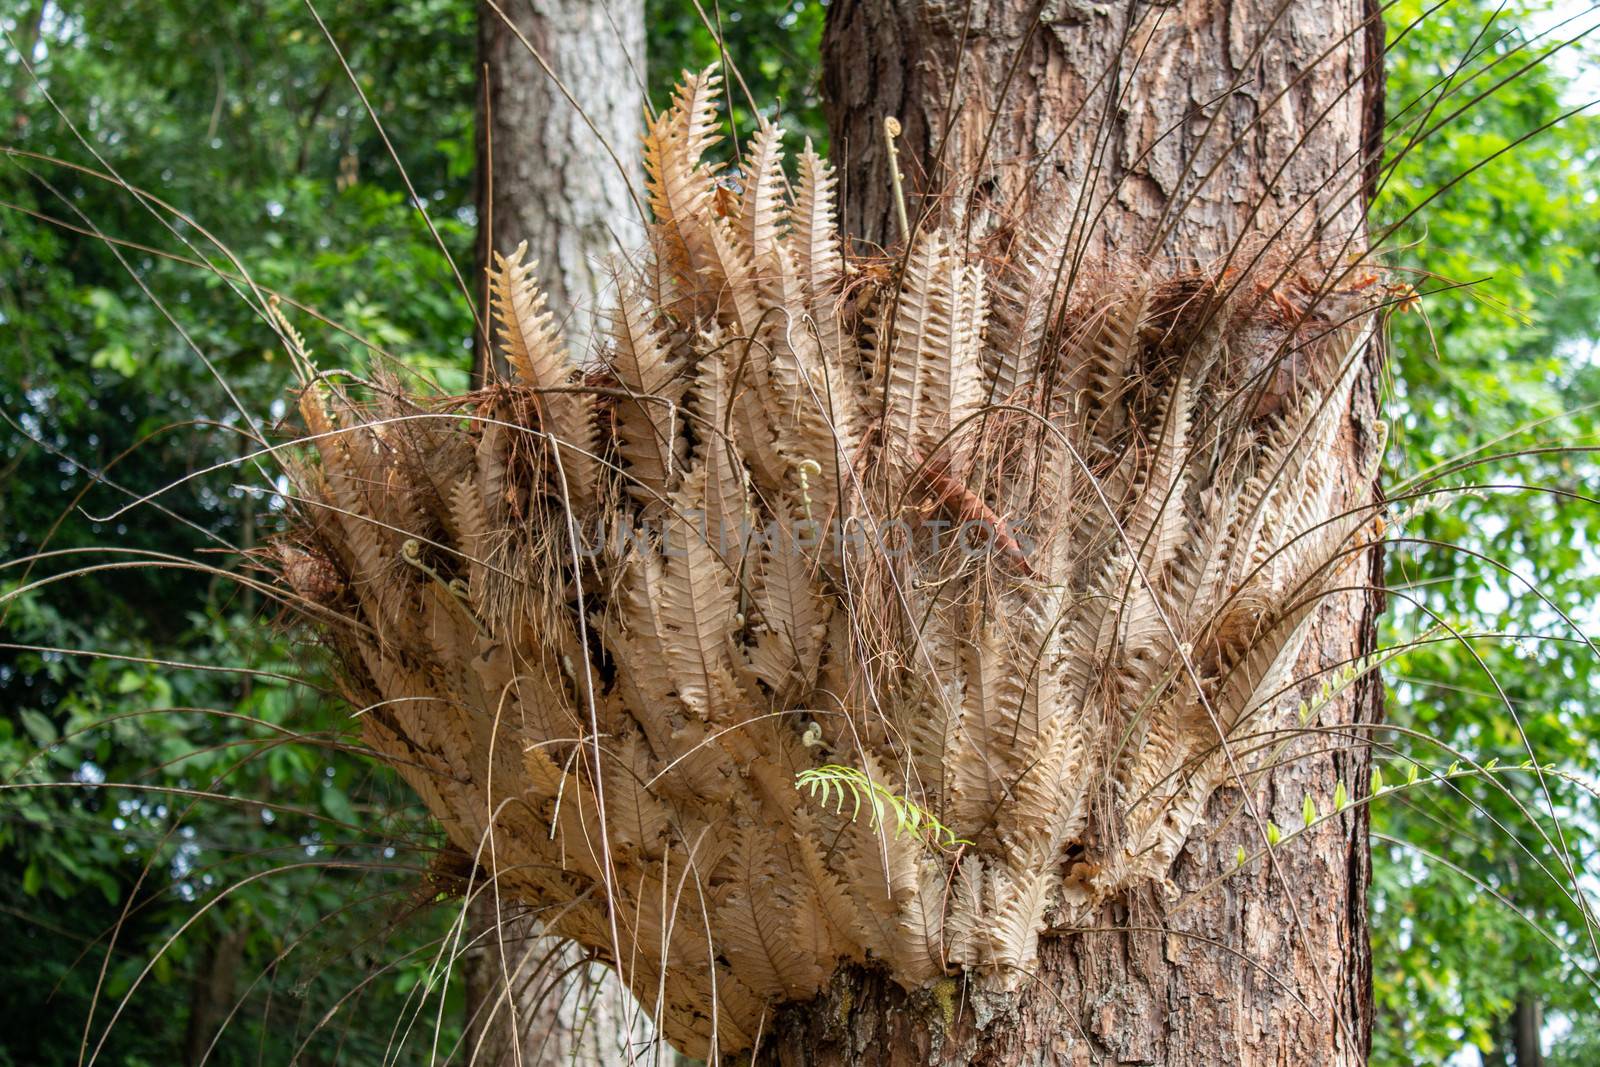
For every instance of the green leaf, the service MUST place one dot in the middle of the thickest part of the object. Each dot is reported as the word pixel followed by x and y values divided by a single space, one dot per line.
pixel 405 980
pixel 337 804
pixel 39 726
pixel 118 357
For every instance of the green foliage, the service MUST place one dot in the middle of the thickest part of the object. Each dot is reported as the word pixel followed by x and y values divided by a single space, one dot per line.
pixel 1503 365
pixel 241 116
pixel 122 833
pixel 832 785
pixel 774 44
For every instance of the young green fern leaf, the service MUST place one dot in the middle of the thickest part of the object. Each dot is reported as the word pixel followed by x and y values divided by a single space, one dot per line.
pixel 835 783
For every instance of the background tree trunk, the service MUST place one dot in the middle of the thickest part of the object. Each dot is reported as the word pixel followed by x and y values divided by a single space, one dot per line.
pixel 567 1013
pixel 211 993
pixel 545 178
pixel 1118 115
pixel 1527 1024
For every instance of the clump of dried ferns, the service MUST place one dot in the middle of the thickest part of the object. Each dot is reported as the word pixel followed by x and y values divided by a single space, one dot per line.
pixel 995 563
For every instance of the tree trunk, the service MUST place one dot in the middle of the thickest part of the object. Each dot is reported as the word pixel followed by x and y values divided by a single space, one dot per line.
pixel 1527 1025
pixel 544 177
pixel 1118 113
pixel 211 994
pixel 547 178
pixel 562 1012
pixel 1169 131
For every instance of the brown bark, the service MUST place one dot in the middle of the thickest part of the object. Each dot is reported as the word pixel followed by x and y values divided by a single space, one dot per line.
pixel 211 994
pixel 559 180
pixel 1119 113
pixel 1116 117
pixel 548 178
pixel 1527 1026
pixel 1518 1035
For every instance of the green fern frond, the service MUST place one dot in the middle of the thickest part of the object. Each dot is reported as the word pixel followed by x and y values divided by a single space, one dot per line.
pixel 835 783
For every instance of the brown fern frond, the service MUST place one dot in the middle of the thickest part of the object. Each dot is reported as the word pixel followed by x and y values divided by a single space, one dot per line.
pixel 648 422
pixel 528 334
pixel 1029 293
pixel 764 207
pixel 755 936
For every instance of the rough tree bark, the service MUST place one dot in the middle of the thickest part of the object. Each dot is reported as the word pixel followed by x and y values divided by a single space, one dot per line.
pixel 1122 110
pixel 545 177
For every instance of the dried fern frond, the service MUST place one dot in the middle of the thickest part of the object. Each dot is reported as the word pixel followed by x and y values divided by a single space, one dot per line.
pixel 769 541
